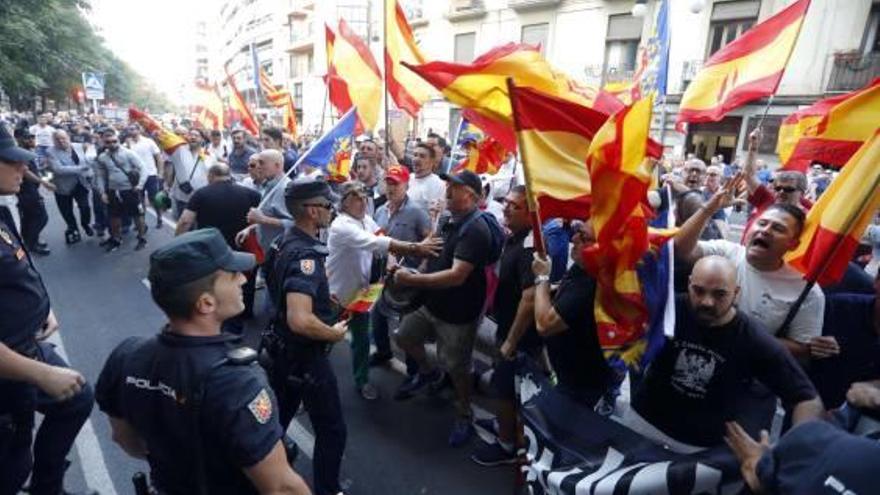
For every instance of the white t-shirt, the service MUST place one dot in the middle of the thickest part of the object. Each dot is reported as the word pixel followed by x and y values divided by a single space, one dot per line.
pixel 186 166
pixel 219 153
pixel 42 135
pixel 425 190
pixel 145 149
pixel 767 296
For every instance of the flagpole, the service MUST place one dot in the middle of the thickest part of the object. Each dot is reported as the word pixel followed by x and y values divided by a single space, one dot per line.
pixel 324 109
pixel 530 198
pixel 850 221
pixel 385 73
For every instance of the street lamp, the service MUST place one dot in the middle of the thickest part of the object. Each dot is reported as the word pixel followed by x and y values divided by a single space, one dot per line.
pixel 639 8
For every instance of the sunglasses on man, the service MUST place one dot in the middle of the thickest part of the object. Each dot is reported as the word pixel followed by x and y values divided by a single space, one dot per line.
pixel 786 189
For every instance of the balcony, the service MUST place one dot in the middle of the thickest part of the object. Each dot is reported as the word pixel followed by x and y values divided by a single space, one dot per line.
pixel 526 5
pixel 851 71
pixel 463 10
pixel 689 71
pixel 597 75
pixel 300 9
pixel 301 37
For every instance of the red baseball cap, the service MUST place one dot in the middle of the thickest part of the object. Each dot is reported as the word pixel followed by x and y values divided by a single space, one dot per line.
pixel 397 174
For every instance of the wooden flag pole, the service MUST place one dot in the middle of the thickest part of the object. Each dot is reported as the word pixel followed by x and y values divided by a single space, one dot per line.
pixel 537 232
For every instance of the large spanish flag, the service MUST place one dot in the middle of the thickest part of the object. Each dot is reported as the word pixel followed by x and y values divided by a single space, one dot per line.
pixel 482 86
pixel 167 140
pixel 337 90
pixel 408 90
pixel 836 222
pixel 209 106
pixel 236 101
pixel 830 131
pixel 620 173
pixel 353 63
pixel 749 68
pixel 555 137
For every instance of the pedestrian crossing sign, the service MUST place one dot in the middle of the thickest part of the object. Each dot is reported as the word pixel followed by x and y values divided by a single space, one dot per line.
pixel 93 84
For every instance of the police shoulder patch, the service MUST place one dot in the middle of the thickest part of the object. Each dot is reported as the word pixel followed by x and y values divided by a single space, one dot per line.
pixel 261 407
pixel 307 266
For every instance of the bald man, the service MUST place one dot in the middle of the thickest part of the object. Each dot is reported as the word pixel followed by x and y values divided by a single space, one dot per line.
pixel 701 378
pixel 272 219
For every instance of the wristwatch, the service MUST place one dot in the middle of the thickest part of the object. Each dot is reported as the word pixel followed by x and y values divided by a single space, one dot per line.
pixel 540 279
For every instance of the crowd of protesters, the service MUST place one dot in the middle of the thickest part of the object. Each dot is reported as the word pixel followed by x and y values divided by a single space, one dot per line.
pixel 454 249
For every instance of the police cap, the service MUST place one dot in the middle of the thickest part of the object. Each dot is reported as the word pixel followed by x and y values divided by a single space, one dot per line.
pixel 194 255
pixel 307 189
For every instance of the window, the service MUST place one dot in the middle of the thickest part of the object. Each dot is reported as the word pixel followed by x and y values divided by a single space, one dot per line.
pixel 536 34
pixel 770 128
pixel 356 16
pixel 294 70
pixel 729 21
pixel 298 95
pixel 464 47
pixel 622 46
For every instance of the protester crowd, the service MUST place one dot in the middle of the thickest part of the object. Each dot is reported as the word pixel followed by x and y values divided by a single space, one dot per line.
pixel 454 250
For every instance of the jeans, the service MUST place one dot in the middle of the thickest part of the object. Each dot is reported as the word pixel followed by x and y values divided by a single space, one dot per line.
pixel 33 219
pixel 65 204
pixel 54 439
pixel 310 380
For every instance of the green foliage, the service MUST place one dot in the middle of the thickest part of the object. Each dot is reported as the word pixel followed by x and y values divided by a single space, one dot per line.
pixel 45 45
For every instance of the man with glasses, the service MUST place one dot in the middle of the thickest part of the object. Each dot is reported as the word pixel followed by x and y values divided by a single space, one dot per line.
pixel 272 219
pixel 353 240
pixel 117 168
pixel 305 327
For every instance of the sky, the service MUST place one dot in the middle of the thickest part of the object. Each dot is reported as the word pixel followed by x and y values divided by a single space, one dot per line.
pixel 156 38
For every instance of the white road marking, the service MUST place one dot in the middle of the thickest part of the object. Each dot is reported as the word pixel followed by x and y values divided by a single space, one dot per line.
pixel 146 283
pixel 87 446
pixel 166 221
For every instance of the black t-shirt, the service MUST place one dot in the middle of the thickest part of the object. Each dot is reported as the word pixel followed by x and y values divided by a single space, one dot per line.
pixel 24 302
pixel 151 383
pixel 30 191
pixel 514 276
pixel 464 303
pixel 223 205
pixel 702 376
pixel 575 353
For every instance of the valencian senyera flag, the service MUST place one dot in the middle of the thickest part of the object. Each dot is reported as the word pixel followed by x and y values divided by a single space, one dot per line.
pixel 481 87
pixel 620 174
pixel 836 222
pixel 332 152
pixel 408 90
pixel 747 69
pixel 830 131
pixel 353 78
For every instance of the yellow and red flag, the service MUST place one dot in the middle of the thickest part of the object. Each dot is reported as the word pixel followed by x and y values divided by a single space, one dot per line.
pixel 555 137
pixel 167 140
pixel 483 157
pixel 620 174
pixel 353 78
pixel 408 90
pixel 830 131
pixel 239 105
pixel 749 68
pixel 279 98
pixel 482 86
pixel 836 222
pixel 209 106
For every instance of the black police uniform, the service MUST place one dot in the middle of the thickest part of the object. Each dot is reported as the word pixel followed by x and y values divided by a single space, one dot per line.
pixel 194 404
pixel 31 209
pixel 24 304
pixel 299 370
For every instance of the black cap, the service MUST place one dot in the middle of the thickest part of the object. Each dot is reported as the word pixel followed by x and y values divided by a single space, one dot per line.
pixel 194 255
pixel 307 189
pixel 466 178
pixel 9 150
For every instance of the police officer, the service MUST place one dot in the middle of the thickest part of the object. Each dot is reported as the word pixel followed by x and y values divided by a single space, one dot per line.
pixel 304 328
pixel 32 376
pixel 191 400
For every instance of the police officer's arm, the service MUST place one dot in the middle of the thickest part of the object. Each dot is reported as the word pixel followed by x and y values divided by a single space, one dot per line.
pixel 273 475
pixel 303 321
pixel 59 383
pixel 451 277
pixel 547 320
pixel 127 438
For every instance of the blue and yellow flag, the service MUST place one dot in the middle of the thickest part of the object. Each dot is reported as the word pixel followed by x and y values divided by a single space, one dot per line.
pixel 333 151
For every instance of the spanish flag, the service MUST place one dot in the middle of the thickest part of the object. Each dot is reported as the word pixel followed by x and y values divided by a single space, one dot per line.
pixel 209 106
pixel 408 90
pixel 555 137
pixel 836 222
pixel 620 174
pixel 238 104
pixel 484 156
pixel 831 130
pixel 351 62
pixel 167 140
pixel 749 68
pixel 482 86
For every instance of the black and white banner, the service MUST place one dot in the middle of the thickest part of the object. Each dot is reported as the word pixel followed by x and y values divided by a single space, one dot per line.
pixel 572 450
